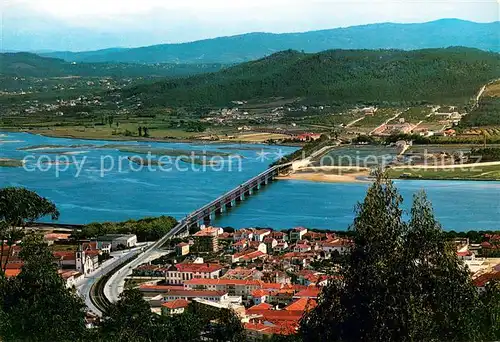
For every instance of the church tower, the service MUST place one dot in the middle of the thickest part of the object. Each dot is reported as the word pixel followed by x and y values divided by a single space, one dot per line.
pixel 80 260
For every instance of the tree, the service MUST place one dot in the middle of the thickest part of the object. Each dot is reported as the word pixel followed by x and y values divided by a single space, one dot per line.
pixel 186 327
pixel 130 319
pixel 401 281
pixel 140 130
pixel 36 305
pixel 146 131
pixel 17 207
pixel 489 312
pixel 225 326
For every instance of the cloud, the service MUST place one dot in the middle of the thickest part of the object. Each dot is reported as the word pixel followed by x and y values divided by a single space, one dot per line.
pixel 143 22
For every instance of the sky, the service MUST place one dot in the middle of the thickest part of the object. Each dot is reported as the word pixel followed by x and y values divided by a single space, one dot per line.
pixel 79 25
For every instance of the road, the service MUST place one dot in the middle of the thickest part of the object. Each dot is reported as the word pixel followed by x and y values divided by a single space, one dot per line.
pixel 84 288
pixel 114 286
pixel 387 121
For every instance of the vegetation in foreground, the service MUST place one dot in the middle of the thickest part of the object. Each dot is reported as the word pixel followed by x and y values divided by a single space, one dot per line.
pixel 402 282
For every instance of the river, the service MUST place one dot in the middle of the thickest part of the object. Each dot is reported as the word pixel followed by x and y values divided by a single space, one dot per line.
pixel 91 195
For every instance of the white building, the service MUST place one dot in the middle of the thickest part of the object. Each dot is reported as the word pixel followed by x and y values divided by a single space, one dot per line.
pixel 179 273
pixel 297 234
pixel 117 240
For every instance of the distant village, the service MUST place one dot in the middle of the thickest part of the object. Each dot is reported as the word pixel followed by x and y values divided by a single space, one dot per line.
pixel 268 278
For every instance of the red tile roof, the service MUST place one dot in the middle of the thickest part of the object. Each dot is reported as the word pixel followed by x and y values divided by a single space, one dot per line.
pixel 283 328
pixel 12 272
pixel 302 304
pixel 92 253
pixel 205 232
pixel 195 293
pixel 278 234
pixel 201 268
pixel 253 255
pixel 483 279
pixel 337 243
pixel 205 281
pixel 259 293
pixel 278 315
pixel 159 288
pixel 310 292
pixel 291 255
pixel 271 286
pixel 176 304
pixel 64 255
pixel 14 265
pixel 260 307
pixel 86 246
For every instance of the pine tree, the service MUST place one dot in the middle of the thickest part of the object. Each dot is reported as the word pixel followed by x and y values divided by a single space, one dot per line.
pixel 401 282
pixel 19 206
pixel 36 305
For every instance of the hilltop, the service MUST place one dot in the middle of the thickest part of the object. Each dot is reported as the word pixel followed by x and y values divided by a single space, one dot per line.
pixel 236 49
pixel 25 64
pixel 335 76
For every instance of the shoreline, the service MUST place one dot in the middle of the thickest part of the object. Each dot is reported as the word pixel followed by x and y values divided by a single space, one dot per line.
pixel 358 177
pixel 143 139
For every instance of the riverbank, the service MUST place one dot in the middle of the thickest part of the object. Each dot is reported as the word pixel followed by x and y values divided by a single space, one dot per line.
pixel 476 172
pixel 86 135
pixel 355 177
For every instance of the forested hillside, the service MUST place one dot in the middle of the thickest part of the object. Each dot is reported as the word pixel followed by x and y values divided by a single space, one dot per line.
pixel 487 111
pixel 241 48
pixel 32 65
pixel 336 76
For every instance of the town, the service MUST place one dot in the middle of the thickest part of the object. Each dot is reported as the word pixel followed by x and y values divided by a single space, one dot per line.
pixel 268 278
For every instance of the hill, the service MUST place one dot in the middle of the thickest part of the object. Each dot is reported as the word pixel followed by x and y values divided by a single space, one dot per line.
pixel 335 76
pixel 236 49
pixel 31 65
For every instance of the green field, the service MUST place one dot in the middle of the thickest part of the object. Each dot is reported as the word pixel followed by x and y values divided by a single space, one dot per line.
pixel 466 173
pixel 380 116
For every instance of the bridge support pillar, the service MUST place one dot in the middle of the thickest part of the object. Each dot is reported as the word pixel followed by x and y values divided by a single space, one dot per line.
pixel 240 198
pixel 220 210
pixel 230 205
pixel 207 221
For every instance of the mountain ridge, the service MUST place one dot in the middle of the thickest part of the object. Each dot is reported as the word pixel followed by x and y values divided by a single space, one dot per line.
pixel 26 64
pixel 333 76
pixel 250 46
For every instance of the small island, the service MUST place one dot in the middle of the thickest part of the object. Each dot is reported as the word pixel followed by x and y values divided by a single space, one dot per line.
pixel 6 162
pixel 145 161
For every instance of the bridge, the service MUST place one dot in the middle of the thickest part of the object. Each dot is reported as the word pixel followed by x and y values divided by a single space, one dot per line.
pixel 203 215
